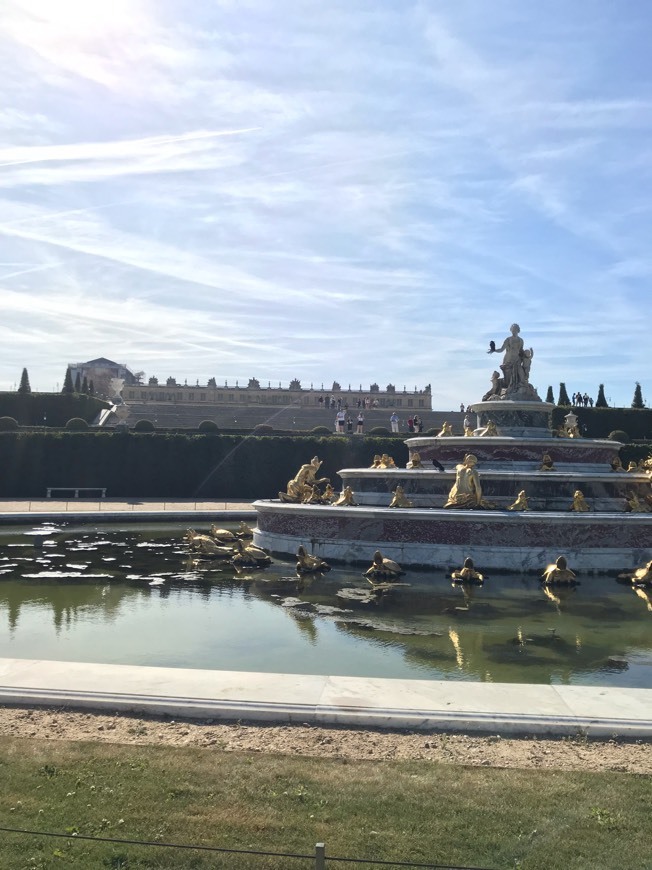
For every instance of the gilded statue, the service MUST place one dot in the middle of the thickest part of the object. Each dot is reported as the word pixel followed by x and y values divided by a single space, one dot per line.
pixel 546 463
pixel 309 564
pixel 579 502
pixel 559 573
pixel 636 506
pixel 468 574
pixel 400 500
pixel 303 481
pixel 376 461
pixel 446 430
pixel 314 496
pixel 345 498
pixel 250 556
pixel 329 494
pixel 386 461
pixel 639 576
pixel 207 546
pixel 415 461
pixel 383 569
pixel 223 536
pixel 515 365
pixel 521 503
pixel 490 429
pixel 244 531
pixel 467 489
pixel 632 466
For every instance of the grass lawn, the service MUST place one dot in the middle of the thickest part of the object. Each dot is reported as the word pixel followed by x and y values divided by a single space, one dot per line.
pixel 387 810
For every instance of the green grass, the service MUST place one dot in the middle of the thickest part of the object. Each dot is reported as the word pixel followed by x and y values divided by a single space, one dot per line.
pixel 406 811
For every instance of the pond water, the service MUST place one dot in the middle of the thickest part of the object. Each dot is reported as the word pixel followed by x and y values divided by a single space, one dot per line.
pixel 134 595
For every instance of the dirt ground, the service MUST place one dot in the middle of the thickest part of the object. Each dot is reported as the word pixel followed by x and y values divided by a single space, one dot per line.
pixel 489 751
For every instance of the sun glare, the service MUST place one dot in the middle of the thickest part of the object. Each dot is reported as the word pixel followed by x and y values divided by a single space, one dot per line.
pixel 82 18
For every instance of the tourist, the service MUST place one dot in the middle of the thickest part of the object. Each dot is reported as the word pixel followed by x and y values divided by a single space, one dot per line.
pixel 461 407
pixel 410 423
pixel 360 426
pixel 416 423
pixel 349 425
pixel 339 421
pixel 394 422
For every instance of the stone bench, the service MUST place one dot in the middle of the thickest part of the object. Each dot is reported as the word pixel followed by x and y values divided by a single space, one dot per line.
pixel 76 490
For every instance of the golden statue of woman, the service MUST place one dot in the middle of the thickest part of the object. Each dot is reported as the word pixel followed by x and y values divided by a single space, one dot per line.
pixel 303 481
pixel 467 489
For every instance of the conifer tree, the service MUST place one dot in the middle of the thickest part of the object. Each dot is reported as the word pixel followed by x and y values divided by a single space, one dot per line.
pixel 550 397
pixel 85 386
pixel 78 383
pixel 24 383
pixel 563 395
pixel 601 402
pixel 91 388
pixel 67 383
pixel 637 401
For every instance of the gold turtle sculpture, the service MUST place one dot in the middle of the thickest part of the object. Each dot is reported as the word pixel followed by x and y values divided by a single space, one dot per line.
pixel 468 574
pixel 383 569
pixel 207 546
pixel 559 574
pixel 521 503
pixel 222 535
pixel 639 576
pixel 249 556
pixel 309 564
pixel 400 500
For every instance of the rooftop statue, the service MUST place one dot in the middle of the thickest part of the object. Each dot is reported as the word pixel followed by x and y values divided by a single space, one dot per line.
pixel 515 380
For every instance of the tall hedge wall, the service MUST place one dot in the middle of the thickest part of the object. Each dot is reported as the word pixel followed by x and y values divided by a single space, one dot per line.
pixel 600 422
pixel 30 408
pixel 157 465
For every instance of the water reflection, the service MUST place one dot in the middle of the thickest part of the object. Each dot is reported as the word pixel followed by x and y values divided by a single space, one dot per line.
pixel 136 596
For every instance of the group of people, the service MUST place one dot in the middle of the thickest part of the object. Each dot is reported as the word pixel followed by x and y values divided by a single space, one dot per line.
pixel 333 403
pixel 414 423
pixel 344 423
pixel 582 401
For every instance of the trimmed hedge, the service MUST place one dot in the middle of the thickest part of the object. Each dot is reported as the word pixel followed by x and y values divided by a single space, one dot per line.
pixel 619 435
pixel 53 409
pixel 208 426
pixel 599 422
pixel 144 426
pixel 8 424
pixel 320 430
pixel 175 465
pixel 76 424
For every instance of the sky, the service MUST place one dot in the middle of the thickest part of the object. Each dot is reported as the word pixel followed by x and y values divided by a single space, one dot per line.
pixel 358 190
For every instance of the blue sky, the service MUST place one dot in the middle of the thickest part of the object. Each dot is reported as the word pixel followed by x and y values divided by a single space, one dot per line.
pixel 355 190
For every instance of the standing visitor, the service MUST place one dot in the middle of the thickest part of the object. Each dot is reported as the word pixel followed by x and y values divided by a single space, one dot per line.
pixel 339 421
pixel 410 424
pixel 360 425
pixel 394 422
pixel 349 425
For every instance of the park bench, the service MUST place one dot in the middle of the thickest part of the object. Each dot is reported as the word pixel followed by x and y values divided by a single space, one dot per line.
pixel 76 490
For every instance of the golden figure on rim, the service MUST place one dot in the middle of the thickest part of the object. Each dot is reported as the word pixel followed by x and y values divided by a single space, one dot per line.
pixel 345 498
pixel 636 506
pixel 546 463
pixel 446 430
pixel 415 461
pixel 376 461
pixel 490 429
pixel 400 500
pixel 579 502
pixel 521 503
pixel 468 574
pixel 302 483
pixel 559 573
pixel 467 489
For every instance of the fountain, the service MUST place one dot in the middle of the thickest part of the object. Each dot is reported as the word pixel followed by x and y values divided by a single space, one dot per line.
pixel 513 494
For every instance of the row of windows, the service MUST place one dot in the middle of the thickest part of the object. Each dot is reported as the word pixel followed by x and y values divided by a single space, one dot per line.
pixel 163 396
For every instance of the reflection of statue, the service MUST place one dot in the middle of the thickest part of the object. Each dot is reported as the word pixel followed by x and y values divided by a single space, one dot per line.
pixel 307 563
pixel 383 569
pixel 515 371
pixel 547 463
pixel 579 502
pixel 303 481
pixel 467 574
pixel 467 490
pixel 446 430
pixel 400 500
pixel 559 572
pixel 415 461
pixel 345 499
pixel 520 504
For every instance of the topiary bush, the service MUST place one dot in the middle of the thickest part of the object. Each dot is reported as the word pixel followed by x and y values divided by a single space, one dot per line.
pixel 320 430
pixel 144 426
pixel 208 426
pixel 76 424
pixel 263 428
pixel 432 431
pixel 380 432
pixel 8 424
pixel 619 435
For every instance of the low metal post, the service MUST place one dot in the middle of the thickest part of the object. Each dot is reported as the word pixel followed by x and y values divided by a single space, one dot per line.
pixel 320 856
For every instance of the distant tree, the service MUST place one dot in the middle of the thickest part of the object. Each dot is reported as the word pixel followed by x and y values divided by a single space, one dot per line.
pixel 549 396
pixel 84 388
pixel 153 381
pixel 91 388
pixel 171 382
pixel 637 401
pixel 212 382
pixel 563 395
pixel 601 402
pixel 78 383
pixel 24 383
pixel 295 384
pixel 67 383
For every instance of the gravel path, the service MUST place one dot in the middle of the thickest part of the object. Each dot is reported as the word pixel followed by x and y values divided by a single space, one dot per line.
pixel 306 740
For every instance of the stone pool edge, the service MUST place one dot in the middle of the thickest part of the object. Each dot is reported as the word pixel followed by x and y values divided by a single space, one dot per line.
pixel 516 709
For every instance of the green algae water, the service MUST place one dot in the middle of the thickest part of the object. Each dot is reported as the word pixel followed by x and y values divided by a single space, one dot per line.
pixel 134 595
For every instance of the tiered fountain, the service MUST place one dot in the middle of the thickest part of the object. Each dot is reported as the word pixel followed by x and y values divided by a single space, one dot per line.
pixel 531 494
